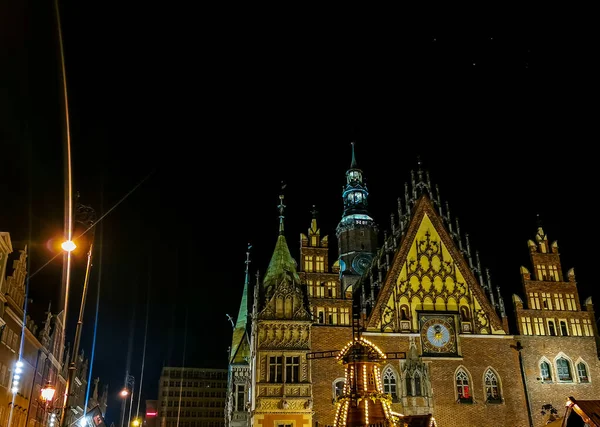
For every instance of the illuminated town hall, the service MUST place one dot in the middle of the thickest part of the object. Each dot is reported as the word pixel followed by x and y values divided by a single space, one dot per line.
pixel 404 327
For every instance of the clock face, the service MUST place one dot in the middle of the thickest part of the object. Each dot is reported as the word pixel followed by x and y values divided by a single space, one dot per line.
pixel 437 334
pixel 361 262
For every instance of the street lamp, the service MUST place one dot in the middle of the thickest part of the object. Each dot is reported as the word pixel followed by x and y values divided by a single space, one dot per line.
pixel 68 246
pixel 47 393
pixel 127 391
pixel 86 216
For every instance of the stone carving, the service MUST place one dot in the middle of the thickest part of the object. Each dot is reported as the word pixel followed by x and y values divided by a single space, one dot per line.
pixel 283 335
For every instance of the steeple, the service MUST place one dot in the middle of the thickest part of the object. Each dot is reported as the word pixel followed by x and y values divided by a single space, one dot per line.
pixel 355 193
pixel 282 266
pixel 356 231
pixel 240 336
pixel 243 313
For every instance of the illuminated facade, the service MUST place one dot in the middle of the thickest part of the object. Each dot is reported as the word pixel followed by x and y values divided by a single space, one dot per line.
pixel 422 293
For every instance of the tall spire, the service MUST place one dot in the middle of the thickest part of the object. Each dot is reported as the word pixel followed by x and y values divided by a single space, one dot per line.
pixel 243 313
pixel 353 164
pixel 239 331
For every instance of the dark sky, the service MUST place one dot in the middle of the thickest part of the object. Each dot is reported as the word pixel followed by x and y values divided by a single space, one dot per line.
pixel 211 109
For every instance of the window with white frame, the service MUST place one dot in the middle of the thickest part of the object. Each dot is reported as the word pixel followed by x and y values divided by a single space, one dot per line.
pixel 462 386
pixel 563 370
pixel 582 373
pixel 390 384
pixel 545 372
pixel 492 386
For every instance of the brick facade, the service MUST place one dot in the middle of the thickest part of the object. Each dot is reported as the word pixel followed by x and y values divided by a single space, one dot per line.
pixel 426 302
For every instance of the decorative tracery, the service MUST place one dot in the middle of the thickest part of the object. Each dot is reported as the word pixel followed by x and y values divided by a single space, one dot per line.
pixel 431 280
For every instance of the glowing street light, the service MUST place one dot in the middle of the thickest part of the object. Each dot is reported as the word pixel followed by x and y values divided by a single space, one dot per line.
pixel 68 245
pixel 136 422
pixel 124 392
pixel 47 393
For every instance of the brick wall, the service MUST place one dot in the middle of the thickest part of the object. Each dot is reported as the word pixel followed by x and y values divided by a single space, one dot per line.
pixel 555 392
pixel 479 353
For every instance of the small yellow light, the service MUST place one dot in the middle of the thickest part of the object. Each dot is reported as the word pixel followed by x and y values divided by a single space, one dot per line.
pixel 135 423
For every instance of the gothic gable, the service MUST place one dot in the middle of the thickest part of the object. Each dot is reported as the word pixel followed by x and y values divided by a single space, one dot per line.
pixel 287 302
pixel 429 273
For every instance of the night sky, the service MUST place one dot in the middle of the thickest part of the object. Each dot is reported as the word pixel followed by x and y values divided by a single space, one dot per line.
pixel 189 120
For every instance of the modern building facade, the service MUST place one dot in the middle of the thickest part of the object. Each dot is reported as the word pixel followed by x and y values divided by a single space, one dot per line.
pixel 420 295
pixel 192 397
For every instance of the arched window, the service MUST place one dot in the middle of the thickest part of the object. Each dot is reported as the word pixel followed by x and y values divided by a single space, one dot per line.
pixel 389 384
pixel 563 370
pixel 462 387
pixel 545 371
pixel 492 387
pixel 338 387
pixel 582 373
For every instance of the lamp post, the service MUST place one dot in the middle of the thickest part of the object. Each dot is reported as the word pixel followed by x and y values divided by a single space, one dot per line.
pixel 125 393
pixel 47 397
pixel 86 216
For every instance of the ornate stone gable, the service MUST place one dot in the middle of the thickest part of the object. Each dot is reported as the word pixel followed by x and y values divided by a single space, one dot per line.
pixel 429 273
pixel 287 302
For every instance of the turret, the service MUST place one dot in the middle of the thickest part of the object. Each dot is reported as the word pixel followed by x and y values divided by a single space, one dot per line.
pixel 356 231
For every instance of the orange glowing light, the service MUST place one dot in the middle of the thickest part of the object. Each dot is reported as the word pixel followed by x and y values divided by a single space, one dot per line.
pixel 48 393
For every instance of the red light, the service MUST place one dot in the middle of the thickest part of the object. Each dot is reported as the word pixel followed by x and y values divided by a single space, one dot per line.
pixel 151 414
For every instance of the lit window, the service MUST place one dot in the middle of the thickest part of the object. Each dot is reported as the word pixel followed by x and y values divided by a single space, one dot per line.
pixel 462 387
pixel 320 264
pixel 308 263
pixel 344 316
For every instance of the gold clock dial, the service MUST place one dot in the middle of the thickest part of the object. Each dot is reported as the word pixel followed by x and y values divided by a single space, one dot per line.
pixel 437 334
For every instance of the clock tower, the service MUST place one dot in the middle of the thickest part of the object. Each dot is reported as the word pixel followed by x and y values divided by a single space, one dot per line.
pixel 356 232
